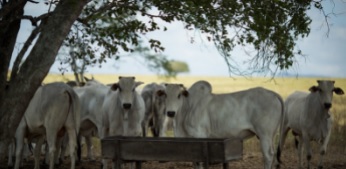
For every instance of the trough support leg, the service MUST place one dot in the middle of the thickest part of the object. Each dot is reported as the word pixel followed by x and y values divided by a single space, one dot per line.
pixel 206 155
pixel 138 165
pixel 116 164
pixel 206 165
pixel 225 165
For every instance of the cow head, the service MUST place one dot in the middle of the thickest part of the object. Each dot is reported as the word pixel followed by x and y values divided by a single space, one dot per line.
pixel 325 91
pixel 175 94
pixel 126 91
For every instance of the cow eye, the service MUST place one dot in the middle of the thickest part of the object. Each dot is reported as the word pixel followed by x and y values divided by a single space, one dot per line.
pixel 120 89
pixel 179 96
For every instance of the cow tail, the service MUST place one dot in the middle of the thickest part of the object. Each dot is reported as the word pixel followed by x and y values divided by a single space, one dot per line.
pixel 73 108
pixel 278 153
pixel 79 148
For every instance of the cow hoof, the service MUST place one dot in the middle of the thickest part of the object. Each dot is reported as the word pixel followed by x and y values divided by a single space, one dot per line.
pixel 45 166
pixel 320 167
pixel 56 165
pixel 277 166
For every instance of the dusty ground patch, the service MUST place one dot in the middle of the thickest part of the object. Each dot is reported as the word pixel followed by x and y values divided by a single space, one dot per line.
pixel 335 159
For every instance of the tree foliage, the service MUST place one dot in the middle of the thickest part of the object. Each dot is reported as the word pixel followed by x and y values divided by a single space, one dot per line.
pixel 271 27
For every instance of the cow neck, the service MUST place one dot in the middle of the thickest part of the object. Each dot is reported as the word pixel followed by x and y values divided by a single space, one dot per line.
pixel 179 126
pixel 152 102
pixel 318 116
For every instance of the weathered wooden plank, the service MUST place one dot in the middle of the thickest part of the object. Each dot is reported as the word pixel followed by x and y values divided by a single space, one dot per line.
pixel 172 149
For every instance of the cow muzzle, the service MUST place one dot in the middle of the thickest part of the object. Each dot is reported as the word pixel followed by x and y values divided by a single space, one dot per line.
pixel 127 106
pixel 327 105
pixel 171 114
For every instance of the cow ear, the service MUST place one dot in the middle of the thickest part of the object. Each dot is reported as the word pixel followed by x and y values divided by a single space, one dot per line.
pixel 120 77
pixel 160 93
pixel 138 83
pixel 314 89
pixel 114 86
pixel 338 91
pixel 185 93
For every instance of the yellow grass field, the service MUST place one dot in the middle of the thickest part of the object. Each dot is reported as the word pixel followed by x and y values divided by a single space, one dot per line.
pixel 283 86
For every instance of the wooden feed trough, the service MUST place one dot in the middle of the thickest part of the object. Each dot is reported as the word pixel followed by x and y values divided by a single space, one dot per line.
pixel 206 150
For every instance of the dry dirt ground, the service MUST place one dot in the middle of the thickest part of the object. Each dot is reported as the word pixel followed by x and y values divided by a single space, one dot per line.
pixel 335 159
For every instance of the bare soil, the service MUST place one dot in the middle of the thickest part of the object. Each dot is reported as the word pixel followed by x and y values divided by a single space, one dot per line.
pixel 334 159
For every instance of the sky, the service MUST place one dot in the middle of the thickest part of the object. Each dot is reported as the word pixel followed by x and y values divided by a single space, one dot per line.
pixel 325 55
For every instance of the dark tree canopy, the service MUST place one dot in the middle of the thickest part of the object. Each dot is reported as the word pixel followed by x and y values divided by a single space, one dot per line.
pixel 102 29
pixel 271 27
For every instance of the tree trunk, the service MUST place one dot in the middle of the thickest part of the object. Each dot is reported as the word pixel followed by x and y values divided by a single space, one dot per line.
pixel 10 25
pixel 36 66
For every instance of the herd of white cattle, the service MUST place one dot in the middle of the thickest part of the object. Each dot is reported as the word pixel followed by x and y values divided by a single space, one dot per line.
pixel 58 110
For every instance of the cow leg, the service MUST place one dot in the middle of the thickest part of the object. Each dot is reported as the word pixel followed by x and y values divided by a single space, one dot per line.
pixel 281 144
pixel 37 151
pixel 299 144
pixel 323 149
pixel 11 150
pixel 63 147
pixel 267 151
pixel 20 133
pixel 27 150
pixel 51 139
pixel 88 141
pixel 72 138
pixel 58 145
pixel 306 143
pixel 157 125
pixel 144 123
pixel 163 122
pixel 46 153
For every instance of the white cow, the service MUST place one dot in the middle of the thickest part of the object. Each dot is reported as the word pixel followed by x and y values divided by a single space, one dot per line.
pixel 53 110
pixel 91 96
pixel 308 115
pixel 201 114
pixel 154 98
pixel 123 110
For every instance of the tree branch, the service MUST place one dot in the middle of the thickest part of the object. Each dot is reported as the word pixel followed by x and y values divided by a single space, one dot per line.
pixel 22 52
pixel 103 9
pixel 34 20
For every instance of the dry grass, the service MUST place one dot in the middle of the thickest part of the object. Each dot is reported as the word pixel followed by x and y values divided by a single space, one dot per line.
pixel 283 86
